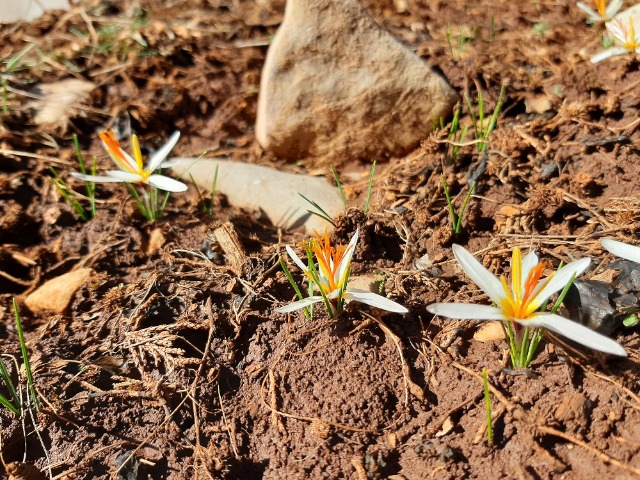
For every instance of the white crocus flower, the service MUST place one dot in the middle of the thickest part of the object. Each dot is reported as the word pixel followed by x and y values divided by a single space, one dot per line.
pixel 621 249
pixel 333 267
pixel 131 168
pixel 603 12
pixel 626 38
pixel 520 302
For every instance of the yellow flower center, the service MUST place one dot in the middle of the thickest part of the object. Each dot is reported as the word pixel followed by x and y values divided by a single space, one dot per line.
pixel 329 259
pixel 519 301
pixel 630 40
pixel 625 36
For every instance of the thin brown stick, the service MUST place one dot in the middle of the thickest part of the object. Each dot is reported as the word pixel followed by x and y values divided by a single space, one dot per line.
pixel 409 385
pixel 603 456
pixel 17 153
pixel 234 447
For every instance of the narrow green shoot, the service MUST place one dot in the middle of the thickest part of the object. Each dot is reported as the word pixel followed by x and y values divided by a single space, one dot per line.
pixel 339 184
pixel 492 29
pixel 11 67
pixel 464 37
pixel 367 201
pixel 487 402
pixel 90 187
pixel 319 211
pixel 25 357
pixel 455 136
pixel 149 203
pixel 293 283
pixel 12 404
pixel 493 120
pixel 457 217
pixel 449 36
pixel 606 41
pixel 207 205
pixel 68 194
pixel 562 295
pixel 480 130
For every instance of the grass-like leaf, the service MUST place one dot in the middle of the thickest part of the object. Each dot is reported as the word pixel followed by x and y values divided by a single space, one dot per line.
pixel 68 194
pixel 319 212
pixel 457 217
pixel 339 184
pixel 25 357
pixel 293 283
pixel 487 402
pixel 367 201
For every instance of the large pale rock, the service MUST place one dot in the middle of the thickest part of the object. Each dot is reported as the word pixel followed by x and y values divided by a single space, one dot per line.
pixel 334 83
pixel 277 194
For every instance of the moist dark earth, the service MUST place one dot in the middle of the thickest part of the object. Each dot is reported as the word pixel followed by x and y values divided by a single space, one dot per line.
pixel 170 360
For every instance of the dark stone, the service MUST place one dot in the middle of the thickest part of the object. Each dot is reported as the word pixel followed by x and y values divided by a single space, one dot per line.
pixel 590 302
pixel 628 280
pixel 626 301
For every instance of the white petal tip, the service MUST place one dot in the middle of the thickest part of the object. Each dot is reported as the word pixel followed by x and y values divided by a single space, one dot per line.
pixel 578 333
pixel 375 300
pixel 621 249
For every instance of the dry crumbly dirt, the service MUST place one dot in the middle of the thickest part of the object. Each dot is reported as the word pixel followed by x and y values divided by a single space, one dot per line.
pixel 172 363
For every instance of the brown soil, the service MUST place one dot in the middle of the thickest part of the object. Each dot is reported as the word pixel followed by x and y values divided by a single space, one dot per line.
pixel 171 362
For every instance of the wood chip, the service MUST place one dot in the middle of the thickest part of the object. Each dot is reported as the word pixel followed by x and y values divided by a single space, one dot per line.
pixel 228 240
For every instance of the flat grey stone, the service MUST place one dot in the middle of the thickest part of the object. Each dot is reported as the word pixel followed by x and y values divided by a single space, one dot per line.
pixel 27 10
pixel 254 187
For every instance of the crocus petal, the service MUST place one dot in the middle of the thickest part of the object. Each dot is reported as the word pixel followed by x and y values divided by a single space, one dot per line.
pixel 576 332
pixel 123 176
pixel 166 183
pixel 296 259
pixel 480 275
pixel 346 260
pixel 528 263
pixel 621 249
pixel 561 278
pixel 297 305
pixel 157 158
pixel 324 283
pixel 610 52
pixel 591 14
pixel 95 178
pixel 122 159
pixel 374 300
pixel 170 163
pixel 466 311
pixel 613 8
